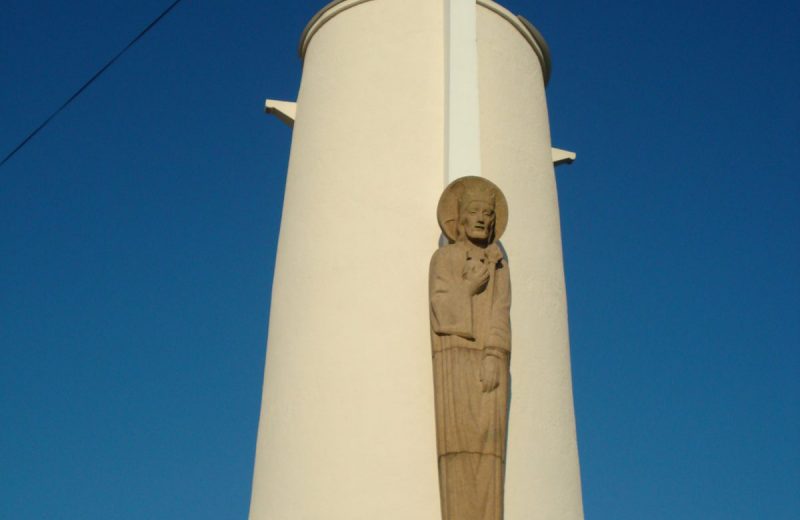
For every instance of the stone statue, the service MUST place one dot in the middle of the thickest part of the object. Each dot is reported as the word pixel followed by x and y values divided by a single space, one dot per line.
pixel 470 299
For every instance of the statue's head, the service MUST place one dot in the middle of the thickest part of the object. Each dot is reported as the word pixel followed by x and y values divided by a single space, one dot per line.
pixel 476 215
pixel 474 209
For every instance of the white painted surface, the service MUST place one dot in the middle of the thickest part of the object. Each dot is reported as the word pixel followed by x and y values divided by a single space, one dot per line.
pixel 347 424
pixel 347 430
pixel 285 111
pixel 462 122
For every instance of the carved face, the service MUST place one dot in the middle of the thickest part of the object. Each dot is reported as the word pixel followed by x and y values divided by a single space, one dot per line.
pixel 478 220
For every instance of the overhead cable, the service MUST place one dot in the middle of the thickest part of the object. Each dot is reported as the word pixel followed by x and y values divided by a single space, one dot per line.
pixel 89 82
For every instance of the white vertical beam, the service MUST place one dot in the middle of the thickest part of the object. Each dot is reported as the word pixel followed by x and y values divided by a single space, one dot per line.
pixel 462 123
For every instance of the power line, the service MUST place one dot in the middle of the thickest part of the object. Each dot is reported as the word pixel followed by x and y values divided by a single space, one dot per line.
pixel 89 82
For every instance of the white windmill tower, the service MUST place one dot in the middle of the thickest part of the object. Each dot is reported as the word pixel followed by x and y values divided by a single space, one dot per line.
pixel 397 98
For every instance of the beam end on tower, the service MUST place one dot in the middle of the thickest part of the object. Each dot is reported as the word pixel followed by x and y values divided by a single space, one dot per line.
pixel 283 110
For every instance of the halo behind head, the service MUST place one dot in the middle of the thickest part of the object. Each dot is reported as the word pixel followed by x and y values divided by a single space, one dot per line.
pixel 448 210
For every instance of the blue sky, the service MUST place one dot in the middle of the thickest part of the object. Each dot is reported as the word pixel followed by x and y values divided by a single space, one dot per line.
pixel 138 233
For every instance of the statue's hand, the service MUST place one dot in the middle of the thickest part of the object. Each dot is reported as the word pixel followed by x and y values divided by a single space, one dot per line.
pixel 476 275
pixel 491 368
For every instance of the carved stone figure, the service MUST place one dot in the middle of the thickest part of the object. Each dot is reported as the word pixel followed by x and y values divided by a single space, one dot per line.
pixel 470 298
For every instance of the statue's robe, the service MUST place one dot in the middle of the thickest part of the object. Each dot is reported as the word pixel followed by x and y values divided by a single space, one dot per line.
pixel 470 423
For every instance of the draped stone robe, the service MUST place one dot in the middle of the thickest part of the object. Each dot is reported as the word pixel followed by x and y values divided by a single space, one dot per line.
pixel 470 423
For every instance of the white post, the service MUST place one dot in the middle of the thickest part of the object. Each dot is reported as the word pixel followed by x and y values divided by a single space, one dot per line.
pixel 462 120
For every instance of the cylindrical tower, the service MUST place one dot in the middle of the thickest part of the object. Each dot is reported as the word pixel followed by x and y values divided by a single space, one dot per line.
pixel 347 425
